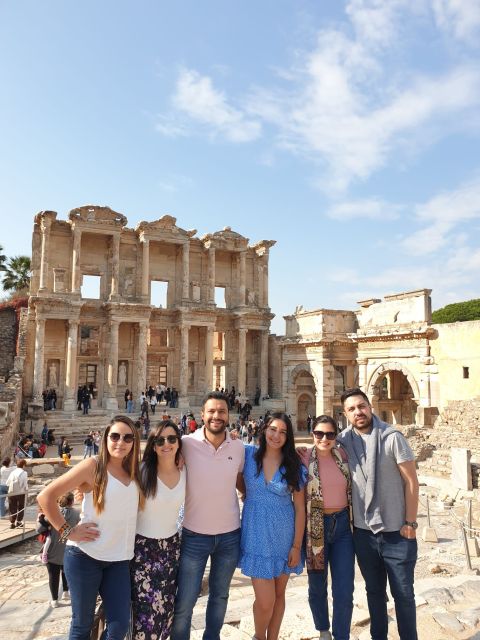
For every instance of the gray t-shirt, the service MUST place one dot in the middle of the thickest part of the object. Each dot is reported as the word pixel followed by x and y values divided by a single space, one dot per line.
pixel 389 485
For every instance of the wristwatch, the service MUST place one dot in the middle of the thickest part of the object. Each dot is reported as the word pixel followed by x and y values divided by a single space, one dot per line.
pixel 413 524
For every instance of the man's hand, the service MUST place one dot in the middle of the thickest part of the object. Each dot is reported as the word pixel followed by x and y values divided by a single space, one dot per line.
pixel 408 532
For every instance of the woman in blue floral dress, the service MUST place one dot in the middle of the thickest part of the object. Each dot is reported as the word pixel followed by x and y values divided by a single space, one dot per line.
pixel 273 521
pixel 157 543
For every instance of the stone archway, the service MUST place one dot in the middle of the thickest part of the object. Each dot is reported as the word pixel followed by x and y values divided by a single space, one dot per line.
pixel 394 393
pixel 303 389
pixel 305 407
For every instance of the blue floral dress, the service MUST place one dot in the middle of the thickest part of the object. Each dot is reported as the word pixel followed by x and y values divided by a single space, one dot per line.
pixel 268 523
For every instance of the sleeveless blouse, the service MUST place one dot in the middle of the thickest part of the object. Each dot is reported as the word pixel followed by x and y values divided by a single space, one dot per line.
pixel 117 522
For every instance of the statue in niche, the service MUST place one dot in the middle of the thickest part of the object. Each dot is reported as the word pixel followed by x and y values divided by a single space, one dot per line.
pixel 52 375
pixel 251 297
pixel 122 374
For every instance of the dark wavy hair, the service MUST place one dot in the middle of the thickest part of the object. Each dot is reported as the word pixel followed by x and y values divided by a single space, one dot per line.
pixel 149 466
pixel 290 466
pixel 324 419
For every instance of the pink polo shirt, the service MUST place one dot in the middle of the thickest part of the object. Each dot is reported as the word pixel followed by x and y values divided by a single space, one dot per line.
pixel 211 502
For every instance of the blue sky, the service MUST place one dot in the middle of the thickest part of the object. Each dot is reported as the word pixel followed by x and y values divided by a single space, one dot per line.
pixel 347 131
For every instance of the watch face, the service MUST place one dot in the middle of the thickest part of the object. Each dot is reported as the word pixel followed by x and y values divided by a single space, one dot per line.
pixel 414 525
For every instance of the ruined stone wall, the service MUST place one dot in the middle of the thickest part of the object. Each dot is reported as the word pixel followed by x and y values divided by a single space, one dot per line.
pixel 7 340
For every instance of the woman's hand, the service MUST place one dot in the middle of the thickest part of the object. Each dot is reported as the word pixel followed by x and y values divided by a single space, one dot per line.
pixel 85 532
pixel 293 557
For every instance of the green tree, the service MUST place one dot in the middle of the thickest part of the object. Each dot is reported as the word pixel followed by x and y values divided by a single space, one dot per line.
pixel 457 312
pixel 17 273
pixel 3 257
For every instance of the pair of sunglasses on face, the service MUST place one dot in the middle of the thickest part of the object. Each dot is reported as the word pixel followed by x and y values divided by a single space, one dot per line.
pixel 329 435
pixel 160 441
pixel 128 438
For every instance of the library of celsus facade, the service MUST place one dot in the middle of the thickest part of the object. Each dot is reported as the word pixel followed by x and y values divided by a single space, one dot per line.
pixel 165 306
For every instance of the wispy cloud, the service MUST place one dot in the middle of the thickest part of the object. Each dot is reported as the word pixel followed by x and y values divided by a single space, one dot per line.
pixel 373 209
pixel 196 97
pixel 441 216
pixel 460 18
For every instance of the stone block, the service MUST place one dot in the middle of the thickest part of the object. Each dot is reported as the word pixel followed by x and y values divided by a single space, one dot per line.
pixel 469 617
pixel 448 621
pixel 440 596
pixel 429 534
pixel 43 470
pixel 461 468
pixel 4 413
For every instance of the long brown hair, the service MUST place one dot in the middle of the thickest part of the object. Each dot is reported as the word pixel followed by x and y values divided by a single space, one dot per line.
pixel 150 460
pixel 130 464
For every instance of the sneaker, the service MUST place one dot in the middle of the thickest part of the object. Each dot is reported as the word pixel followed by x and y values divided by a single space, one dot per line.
pixel 12 526
pixel 54 604
pixel 325 635
pixel 19 524
pixel 65 595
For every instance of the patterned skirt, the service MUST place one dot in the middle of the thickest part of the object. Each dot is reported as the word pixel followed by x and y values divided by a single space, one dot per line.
pixel 154 586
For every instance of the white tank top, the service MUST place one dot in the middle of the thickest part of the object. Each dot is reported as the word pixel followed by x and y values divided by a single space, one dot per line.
pixel 159 517
pixel 117 522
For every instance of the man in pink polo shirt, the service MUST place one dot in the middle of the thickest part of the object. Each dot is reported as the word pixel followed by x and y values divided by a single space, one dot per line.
pixel 211 525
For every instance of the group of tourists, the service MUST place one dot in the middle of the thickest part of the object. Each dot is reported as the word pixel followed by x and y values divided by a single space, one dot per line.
pixel 49 397
pixel 297 510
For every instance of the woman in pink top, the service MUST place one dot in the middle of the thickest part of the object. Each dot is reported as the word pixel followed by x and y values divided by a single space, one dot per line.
pixel 328 531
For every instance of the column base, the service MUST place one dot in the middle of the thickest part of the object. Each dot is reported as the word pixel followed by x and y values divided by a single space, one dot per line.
pixel 183 403
pixel 110 404
pixel 69 404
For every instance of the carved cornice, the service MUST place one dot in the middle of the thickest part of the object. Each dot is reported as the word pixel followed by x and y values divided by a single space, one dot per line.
pixel 164 229
pixel 95 215
pixel 45 218
pixel 225 240
pixel 262 248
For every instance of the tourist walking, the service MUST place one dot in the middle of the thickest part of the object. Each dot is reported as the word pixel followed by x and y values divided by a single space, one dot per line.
pixel 100 547
pixel 17 483
pixel 157 543
pixel 211 524
pixel 5 471
pixel 329 542
pixel 54 548
pixel 385 503
pixel 88 442
pixel 273 521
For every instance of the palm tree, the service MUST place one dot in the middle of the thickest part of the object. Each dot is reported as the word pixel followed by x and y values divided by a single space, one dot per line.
pixel 3 257
pixel 17 274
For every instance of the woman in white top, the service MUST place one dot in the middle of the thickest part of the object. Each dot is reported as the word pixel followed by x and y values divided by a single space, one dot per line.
pixel 157 543
pixel 5 471
pixel 100 547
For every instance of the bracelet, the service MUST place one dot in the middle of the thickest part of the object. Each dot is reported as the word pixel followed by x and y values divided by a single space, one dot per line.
pixel 64 531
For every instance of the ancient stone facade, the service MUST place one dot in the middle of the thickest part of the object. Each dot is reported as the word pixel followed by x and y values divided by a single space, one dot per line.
pixel 409 368
pixel 123 337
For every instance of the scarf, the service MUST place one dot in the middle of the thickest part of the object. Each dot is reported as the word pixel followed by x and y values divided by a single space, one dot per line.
pixel 315 541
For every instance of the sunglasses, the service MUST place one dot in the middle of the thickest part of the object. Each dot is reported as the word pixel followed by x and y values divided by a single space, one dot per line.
pixel 160 441
pixel 127 437
pixel 329 435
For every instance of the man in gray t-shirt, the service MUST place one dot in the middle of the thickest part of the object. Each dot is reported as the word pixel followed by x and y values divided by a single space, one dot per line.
pixel 385 502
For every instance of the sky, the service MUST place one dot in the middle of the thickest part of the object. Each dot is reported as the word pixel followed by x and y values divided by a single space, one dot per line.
pixel 347 131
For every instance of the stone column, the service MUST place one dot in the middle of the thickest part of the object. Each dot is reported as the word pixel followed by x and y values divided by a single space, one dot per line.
pixel 77 241
pixel 186 271
pixel 260 281
pixel 242 360
pixel 112 366
pixel 211 275
pixel 265 283
pixel 183 390
pixel 209 359
pixel 115 266
pixel 39 360
pixel 145 268
pixel 141 359
pixel 45 226
pixel 241 284
pixel 263 363
pixel 70 401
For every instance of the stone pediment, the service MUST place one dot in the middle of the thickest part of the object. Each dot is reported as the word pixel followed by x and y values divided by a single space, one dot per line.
pixel 92 214
pixel 263 246
pixel 225 240
pixel 164 228
pixel 45 217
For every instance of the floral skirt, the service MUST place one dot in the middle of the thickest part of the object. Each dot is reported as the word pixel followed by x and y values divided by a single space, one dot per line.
pixel 154 586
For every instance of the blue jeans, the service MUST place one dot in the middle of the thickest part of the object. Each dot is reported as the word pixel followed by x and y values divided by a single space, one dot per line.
pixel 382 555
pixel 86 578
pixel 3 492
pixel 339 555
pixel 223 550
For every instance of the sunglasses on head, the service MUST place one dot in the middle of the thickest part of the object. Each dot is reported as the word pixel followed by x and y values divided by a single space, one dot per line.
pixel 160 441
pixel 329 435
pixel 126 437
